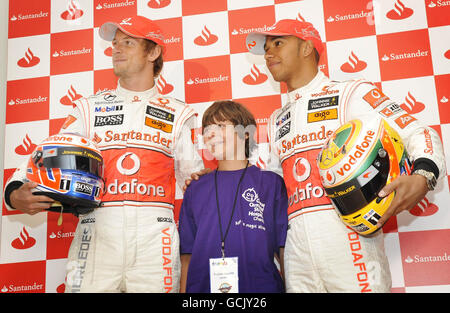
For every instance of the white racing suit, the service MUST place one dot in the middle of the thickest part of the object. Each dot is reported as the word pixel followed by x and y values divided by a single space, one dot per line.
pixel 321 253
pixel 131 242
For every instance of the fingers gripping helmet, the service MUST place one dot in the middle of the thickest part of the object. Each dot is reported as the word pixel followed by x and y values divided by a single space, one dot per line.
pixel 355 163
pixel 69 169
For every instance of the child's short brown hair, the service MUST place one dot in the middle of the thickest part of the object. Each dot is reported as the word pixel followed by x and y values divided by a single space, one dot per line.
pixel 237 114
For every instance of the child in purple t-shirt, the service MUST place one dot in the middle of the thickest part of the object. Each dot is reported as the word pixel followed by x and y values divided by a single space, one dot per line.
pixel 233 221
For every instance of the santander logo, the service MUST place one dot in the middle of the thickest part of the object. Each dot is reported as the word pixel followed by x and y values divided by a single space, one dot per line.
pixel 399 12
pixel 424 208
pixel 70 97
pixel 353 65
pixel 24 241
pixel 206 38
pixel 411 105
pixel 73 11
pixel 158 4
pixel 26 147
pixel 255 77
pixel 28 60
pixel 163 86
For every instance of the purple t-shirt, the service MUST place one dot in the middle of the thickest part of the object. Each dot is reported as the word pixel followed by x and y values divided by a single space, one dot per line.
pixel 257 230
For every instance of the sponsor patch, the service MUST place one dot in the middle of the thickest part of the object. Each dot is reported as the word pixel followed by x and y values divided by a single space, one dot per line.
pixel 375 97
pixel 109 120
pixel 83 188
pixel 321 103
pixel 404 120
pixel 285 129
pixel 391 109
pixel 323 115
pixel 161 114
pixel 283 119
pixel 167 128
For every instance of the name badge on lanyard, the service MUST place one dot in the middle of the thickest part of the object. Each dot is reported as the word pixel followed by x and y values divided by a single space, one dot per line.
pixel 223 273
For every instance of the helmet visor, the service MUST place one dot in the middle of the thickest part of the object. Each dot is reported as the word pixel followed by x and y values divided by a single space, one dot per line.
pixel 360 191
pixel 70 158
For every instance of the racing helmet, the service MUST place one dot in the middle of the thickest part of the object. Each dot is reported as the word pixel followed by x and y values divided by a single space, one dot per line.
pixel 69 169
pixel 355 163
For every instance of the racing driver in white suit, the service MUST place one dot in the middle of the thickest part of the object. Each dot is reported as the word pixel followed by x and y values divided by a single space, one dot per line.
pixel 321 253
pixel 130 243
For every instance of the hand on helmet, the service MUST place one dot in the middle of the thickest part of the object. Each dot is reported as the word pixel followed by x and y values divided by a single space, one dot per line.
pixel 23 199
pixel 409 190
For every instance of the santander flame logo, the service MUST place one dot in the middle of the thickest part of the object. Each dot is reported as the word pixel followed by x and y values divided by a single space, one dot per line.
pixel 163 86
pixel 447 54
pixel 158 4
pixel 73 11
pixel 424 208
pixel 70 97
pixel 353 65
pixel 24 241
pixel 26 147
pixel 411 105
pixel 399 12
pixel 255 77
pixel 206 38
pixel 28 60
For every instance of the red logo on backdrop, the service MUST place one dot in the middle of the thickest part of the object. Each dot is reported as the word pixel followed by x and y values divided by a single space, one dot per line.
pixel 70 97
pixel 73 11
pixel 443 94
pixel 28 60
pixel 399 12
pixel 353 65
pixel 411 105
pixel 424 208
pixel 426 257
pixel 447 54
pixel 207 79
pixel 158 4
pixel 28 100
pixel 29 18
pixel 23 277
pixel 348 19
pixel 24 241
pixel 242 22
pixel 163 86
pixel 108 10
pixel 255 77
pixel 438 12
pixel 26 147
pixel 71 52
pixel 405 54
pixel 108 52
pixel 173 30
pixel 206 38
pixel 60 237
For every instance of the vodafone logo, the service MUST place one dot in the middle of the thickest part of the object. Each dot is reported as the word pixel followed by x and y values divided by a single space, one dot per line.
pixel 73 11
pixel 399 12
pixel 24 241
pixel 353 65
pixel 301 169
pixel 28 60
pixel 255 77
pixel 206 38
pixel 123 164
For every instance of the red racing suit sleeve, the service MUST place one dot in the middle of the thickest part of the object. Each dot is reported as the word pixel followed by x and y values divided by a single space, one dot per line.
pixel 424 146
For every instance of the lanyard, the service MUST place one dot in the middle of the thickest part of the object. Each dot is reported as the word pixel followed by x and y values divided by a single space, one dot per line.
pixel 222 237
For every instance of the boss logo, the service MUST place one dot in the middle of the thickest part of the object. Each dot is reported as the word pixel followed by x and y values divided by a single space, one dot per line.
pixel 83 188
pixel 109 120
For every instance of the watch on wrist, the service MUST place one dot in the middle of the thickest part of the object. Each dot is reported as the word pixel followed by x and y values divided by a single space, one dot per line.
pixel 431 179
